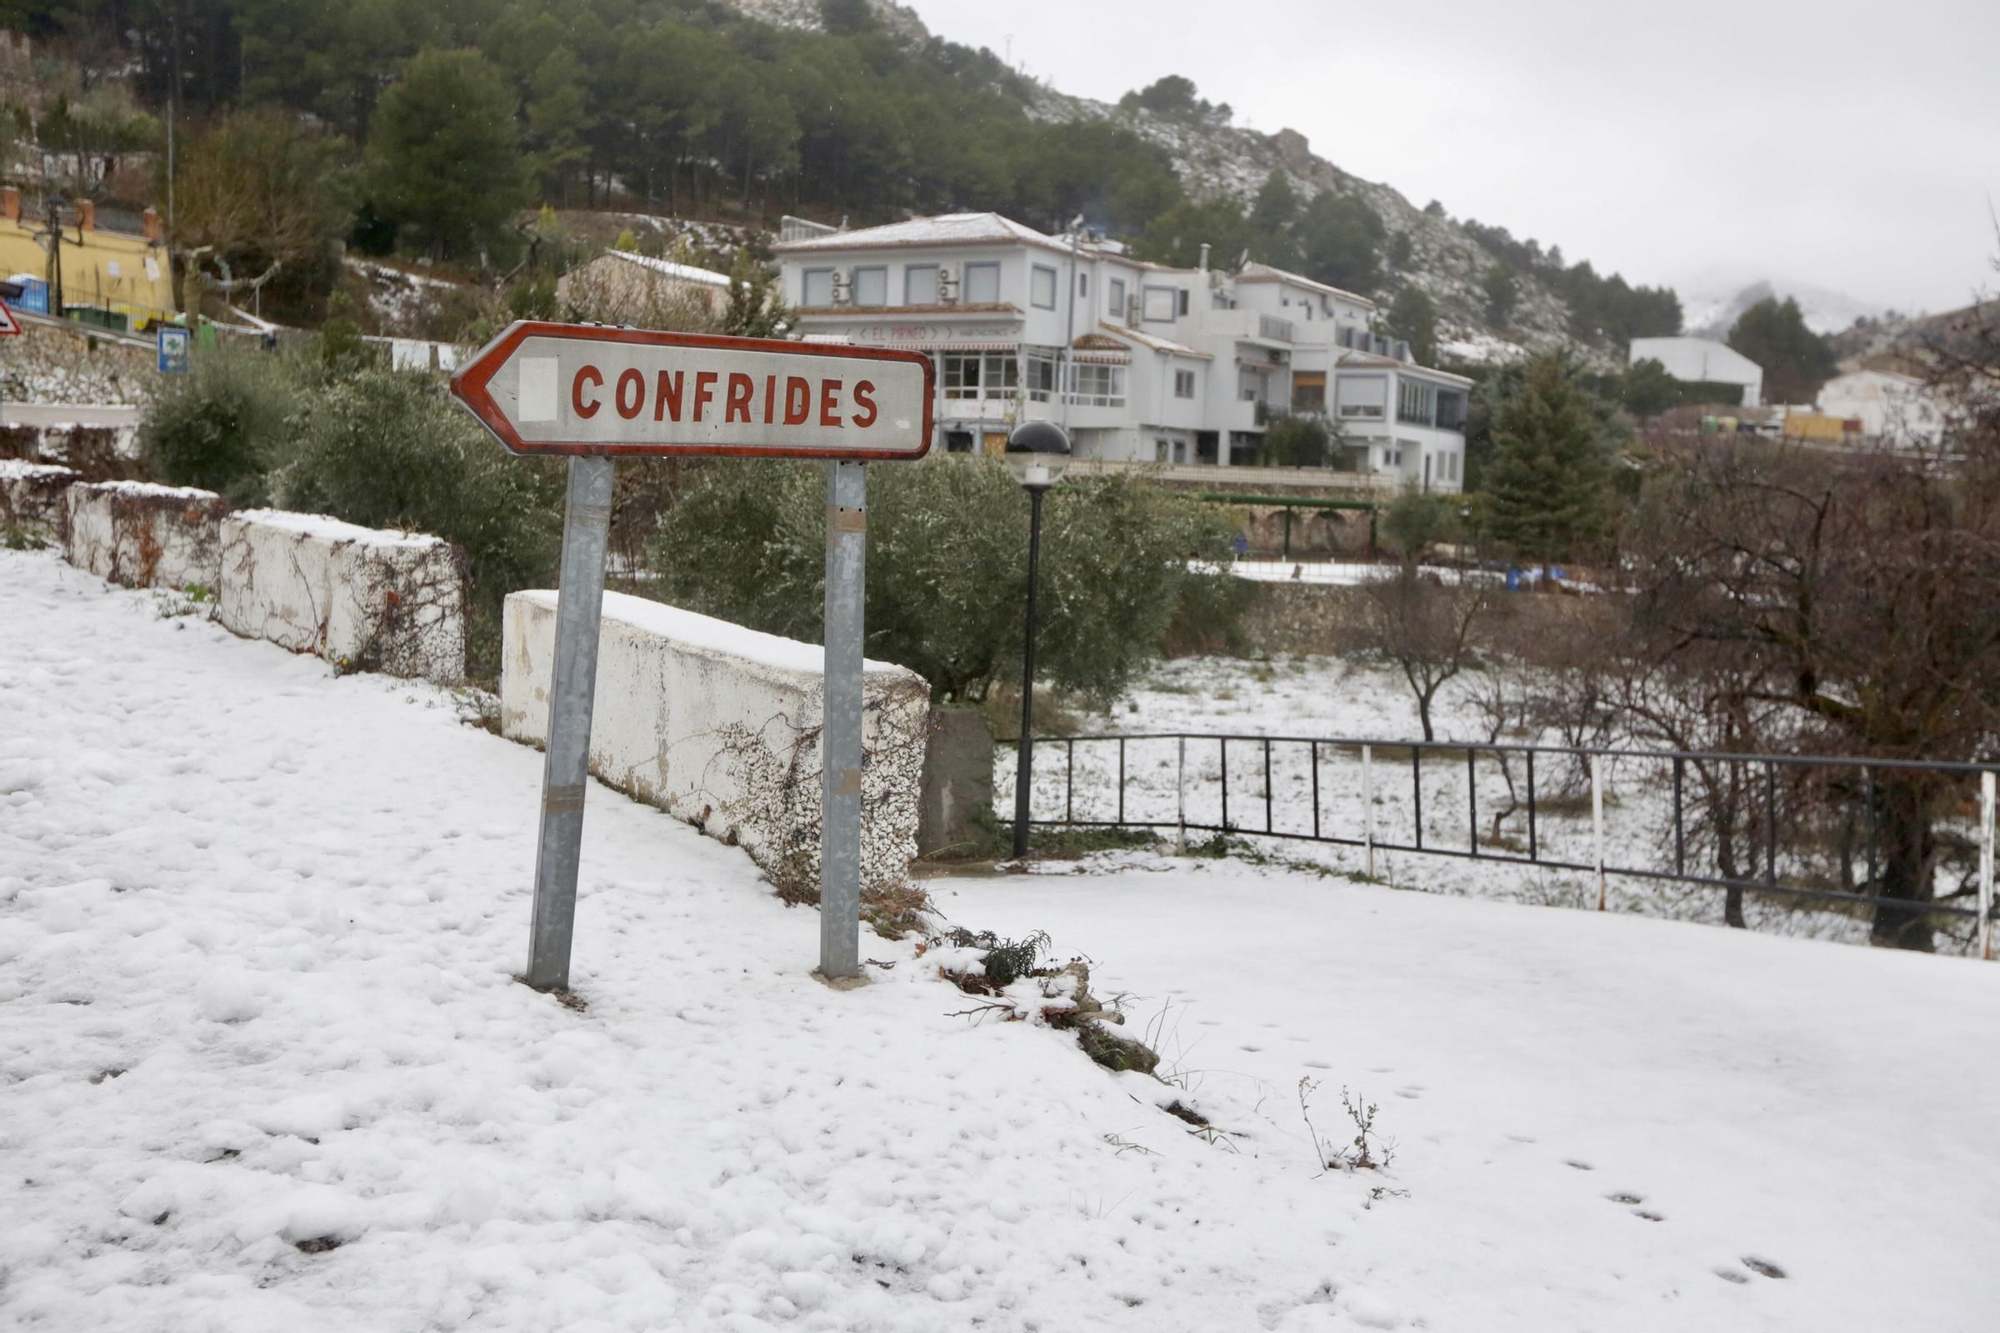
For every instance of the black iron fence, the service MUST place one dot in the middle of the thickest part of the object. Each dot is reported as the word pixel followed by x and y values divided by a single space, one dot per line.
pixel 1905 848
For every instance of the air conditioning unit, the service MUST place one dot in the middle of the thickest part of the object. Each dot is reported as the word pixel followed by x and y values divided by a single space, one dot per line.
pixel 947 284
pixel 1133 308
pixel 840 287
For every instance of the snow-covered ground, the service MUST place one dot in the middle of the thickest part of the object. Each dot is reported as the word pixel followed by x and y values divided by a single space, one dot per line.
pixel 1306 697
pixel 262 1065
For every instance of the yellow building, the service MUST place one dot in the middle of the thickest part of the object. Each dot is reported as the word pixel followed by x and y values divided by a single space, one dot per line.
pixel 108 270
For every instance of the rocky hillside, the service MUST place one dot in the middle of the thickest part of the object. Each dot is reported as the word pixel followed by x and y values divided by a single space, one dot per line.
pixel 1215 158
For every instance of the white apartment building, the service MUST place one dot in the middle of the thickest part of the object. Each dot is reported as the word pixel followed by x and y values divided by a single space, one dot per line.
pixel 1153 363
pixel 1893 409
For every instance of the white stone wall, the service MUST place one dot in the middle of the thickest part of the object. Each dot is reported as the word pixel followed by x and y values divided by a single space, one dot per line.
pixel 31 497
pixel 144 536
pixel 719 726
pixel 362 599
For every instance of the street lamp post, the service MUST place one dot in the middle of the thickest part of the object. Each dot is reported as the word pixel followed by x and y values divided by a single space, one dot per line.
pixel 1037 453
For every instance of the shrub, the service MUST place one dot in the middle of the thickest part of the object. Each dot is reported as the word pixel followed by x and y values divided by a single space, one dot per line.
pixel 222 426
pixel 388 449
pixel 947 567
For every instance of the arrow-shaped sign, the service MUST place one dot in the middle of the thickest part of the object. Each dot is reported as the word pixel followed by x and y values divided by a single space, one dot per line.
pixel 582 389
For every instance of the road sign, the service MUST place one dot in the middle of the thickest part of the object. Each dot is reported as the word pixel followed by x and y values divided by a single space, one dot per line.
pixel 172 343
pixel 599 393
pixel 9 326
pixel 580 389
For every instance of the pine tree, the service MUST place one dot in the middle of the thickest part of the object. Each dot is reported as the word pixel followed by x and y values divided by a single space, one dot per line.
pixel 443 153
pixel 1413 318
pixel 1796 360
pixel 1548 478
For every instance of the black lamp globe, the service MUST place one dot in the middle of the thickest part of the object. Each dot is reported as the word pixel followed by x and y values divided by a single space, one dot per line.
pixel 1037 453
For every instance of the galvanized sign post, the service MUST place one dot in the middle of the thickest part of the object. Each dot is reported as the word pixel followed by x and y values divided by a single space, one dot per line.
pixel 595 394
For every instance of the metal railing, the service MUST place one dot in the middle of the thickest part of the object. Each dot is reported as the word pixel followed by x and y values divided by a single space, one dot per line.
pixel 1793 830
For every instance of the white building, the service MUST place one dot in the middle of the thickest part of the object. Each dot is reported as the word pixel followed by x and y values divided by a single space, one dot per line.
pixel 1704 361
pixel 1892 408
pixel 1155 363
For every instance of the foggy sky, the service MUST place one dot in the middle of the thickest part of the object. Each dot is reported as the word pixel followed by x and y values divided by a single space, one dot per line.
pixel 1705 144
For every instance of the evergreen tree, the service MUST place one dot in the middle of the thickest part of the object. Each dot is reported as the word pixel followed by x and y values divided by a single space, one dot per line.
pixel 1413 318
pixel 1340 239
pixel 1796 360
pixel 444 157
pixel 1501 294
pixel 1646 389
pixel 1547 481
pixel 1273 214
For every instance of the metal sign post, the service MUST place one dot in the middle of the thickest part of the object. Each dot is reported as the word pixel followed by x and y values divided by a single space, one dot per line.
pixel 840 736
pixel 595 394
pixel 572 697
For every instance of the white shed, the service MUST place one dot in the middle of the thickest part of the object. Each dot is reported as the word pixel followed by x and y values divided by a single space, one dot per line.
pixel 1703 361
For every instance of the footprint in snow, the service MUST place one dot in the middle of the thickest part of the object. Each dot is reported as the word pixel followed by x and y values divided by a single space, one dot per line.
pixel 1731 1275
pixel 1581 1166
pixel 1649 1216
pixel 1622 1197
pixel 1412 1092
pixel 1762 1267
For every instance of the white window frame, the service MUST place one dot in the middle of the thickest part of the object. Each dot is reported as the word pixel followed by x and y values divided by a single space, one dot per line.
pixel 870 270
pixel 1154 298
pixel 1184 378
pixel 975 271
pixel 1096 384
pixel 1117 289
pixel 910 271
pixel 1040 275
pixel 806 280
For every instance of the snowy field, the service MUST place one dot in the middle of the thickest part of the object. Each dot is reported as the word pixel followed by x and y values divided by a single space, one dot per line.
pixel 1307 696
pixel 263 1066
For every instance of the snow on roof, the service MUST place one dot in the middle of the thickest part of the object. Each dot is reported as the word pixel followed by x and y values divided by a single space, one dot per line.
pixel 948 229
pixel 1255 272
pixel 328 528
pixel 707 634
pixel 684 272
pixel 1359 360
pixel 1156 344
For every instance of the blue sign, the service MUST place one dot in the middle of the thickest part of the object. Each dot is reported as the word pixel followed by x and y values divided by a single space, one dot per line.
pixel 173 348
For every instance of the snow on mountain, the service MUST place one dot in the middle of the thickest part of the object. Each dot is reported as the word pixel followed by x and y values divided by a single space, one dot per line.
pixel 1711 305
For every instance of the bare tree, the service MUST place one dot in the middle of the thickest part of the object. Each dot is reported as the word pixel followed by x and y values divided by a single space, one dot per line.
pixel 1427 630
pixel 1847 602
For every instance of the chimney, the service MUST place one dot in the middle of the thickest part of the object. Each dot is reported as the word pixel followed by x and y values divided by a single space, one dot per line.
pixel 1204 256
pixel 86 215
pixel 10 203
pixel 155 233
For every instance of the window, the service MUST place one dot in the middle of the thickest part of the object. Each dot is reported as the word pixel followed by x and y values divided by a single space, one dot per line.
pixel 1117 302
pixel 1162 451
pixel 982 284
pixel 1042 288
pixel 920 284
pixel 871 286
pixel 1415 401
pixel 1097 386
pixel 1183 384
pixel 980 375
pixel 1182 307
pixel 1309 391
pixel 1083 284
pixel 818 290
pixel 1364 397
pixel 1160 304
pixel 1040 376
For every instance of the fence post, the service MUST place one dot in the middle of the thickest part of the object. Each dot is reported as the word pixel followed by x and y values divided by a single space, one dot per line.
pixel 1180 798
pixel 1986 782
pixel 1597 823
pixel 1368 804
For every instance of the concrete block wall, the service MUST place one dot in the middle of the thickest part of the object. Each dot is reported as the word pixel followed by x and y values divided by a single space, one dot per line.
pixel 31 498
pixel 361 598
pixel 719 725
pixel 145 536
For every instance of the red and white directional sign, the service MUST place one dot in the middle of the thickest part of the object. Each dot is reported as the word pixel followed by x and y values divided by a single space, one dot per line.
pixel 580 389
pixel 9 326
